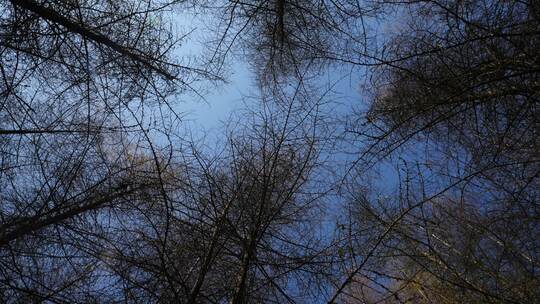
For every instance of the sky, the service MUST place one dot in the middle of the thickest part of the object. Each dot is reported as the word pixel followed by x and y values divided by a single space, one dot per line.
pixel 206 117
pixel 224 98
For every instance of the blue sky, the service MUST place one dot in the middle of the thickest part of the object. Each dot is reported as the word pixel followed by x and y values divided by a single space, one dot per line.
pixel 223 99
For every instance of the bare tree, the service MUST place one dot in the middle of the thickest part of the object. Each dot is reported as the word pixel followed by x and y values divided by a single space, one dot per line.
pixel 243 222
pixel 455 104
pixel 82 84
pixel 103 199
pixel 289 39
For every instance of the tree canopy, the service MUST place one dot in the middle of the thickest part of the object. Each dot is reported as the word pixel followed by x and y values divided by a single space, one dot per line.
pixel 423 188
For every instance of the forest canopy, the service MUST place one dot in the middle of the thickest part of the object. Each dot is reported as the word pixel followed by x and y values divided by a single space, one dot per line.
pixel 420 186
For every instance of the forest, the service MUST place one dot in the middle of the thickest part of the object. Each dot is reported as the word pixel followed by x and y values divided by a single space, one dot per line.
pixel 385 151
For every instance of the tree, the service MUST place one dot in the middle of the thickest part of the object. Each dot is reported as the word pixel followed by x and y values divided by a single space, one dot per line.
pixel 104 197
pixel 288 39
pixel 241 225
pixel 457 101
pixel 77 82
